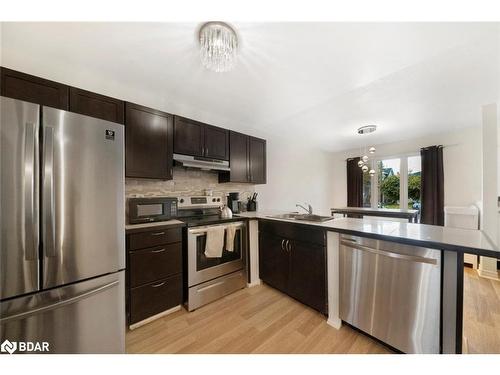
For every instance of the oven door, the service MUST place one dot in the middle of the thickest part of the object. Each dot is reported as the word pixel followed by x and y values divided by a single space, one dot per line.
pixel 201 268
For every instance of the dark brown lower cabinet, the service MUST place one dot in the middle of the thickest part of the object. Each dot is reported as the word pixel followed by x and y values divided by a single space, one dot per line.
pixel 274 262
pixel 151 299
pixel 308 281
pixel 154 272
pixel 292 259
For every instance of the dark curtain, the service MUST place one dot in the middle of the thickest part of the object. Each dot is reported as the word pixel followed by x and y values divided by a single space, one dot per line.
pixel 354 183
pixel 432 186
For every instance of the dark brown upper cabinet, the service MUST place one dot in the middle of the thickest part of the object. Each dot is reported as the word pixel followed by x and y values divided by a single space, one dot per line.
pixel 247 159
pixel 96 105
pixel 257 160
pixel 33 89
pixel 216 143
pixel 188 137
pixel 197 139
pixel 238 158
pixel 148 143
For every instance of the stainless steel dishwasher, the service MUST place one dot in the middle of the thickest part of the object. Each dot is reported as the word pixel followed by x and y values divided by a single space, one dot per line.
pixel 392 292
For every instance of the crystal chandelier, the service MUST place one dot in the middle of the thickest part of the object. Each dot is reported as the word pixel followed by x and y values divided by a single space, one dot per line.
pixel 218 44
pixel 363 162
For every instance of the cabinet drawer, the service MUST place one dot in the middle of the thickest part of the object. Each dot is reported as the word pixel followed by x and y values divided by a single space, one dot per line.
pixel 155 263
pixel 154 238
pixel 152 299
pixel 293 231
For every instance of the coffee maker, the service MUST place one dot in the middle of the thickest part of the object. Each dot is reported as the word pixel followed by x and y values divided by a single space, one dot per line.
pixel 233 202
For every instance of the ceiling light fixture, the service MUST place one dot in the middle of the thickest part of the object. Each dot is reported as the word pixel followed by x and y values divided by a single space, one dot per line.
pixel 218 45
pixel 363 162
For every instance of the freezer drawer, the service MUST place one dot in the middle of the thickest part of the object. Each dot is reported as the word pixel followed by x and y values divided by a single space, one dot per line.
pixel 392 292
pixel 87 317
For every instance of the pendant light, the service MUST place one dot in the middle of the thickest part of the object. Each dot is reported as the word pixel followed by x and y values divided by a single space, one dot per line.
pixel 363 162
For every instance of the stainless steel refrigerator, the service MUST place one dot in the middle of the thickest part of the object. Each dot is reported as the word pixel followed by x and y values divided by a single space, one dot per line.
pixel 62 251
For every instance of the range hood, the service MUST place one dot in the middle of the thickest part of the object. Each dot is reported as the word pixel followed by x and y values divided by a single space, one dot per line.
pixel 201 163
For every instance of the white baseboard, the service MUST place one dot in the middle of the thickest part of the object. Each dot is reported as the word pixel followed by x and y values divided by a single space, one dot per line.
pixel 154 317
pixel 255 283
pixel 335 323
pixel 488 274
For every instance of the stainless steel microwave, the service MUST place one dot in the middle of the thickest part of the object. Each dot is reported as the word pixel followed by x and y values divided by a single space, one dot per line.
pixel 145 210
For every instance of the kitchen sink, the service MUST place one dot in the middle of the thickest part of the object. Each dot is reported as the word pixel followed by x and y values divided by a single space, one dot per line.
pixel 302 217
pixel 315 218
pixel 292 215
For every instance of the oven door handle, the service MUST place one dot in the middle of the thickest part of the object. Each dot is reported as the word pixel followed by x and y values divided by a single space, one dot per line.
pixel 203 230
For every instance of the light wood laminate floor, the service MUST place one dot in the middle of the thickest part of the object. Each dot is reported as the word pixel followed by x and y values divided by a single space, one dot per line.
pixel 263 320
pixel 253 320
pixel 481 329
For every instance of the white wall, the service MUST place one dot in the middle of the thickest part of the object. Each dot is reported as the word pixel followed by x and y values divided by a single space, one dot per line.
pixel 296 173
pixel 462 158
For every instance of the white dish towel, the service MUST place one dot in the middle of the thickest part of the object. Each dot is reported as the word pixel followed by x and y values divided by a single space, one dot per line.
pixel 214 242
pixel 230 232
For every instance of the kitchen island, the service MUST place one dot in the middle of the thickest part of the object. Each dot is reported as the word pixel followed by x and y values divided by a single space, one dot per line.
pixel 452 243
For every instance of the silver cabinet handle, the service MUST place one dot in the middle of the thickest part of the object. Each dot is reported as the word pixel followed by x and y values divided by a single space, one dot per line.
pixel 282 244
pixel 158 251
pixel 158 285
pixel 390 254
pixel 31 193
pixel 288 246
pixel 49 241
pixel 349 239
pixel 157 233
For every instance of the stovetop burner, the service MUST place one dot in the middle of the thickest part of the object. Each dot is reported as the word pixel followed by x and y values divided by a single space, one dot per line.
pixel 199 211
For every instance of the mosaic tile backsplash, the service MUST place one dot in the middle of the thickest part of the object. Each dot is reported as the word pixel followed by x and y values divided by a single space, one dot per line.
pixel 185 182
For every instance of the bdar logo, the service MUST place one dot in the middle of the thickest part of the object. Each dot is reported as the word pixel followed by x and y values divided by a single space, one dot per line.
pixel 8 346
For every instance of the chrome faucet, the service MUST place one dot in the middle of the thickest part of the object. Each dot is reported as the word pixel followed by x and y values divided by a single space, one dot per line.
pixel 309 209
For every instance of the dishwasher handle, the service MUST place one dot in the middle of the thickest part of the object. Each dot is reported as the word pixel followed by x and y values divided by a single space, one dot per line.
pixel 412 258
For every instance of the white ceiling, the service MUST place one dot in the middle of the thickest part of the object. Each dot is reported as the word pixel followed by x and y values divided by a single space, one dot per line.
pixel 317 82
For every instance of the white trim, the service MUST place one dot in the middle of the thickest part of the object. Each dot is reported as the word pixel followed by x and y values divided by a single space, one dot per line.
pixel 335 323
pixel 403 182
pixel 333 277
pixel 154 317
pixel 253 252
pixel 254 283
pixel 487 274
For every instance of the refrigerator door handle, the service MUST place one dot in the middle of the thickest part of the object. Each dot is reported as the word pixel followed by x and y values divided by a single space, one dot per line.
pixel 59 304
pixel 31 232
pixel 49 242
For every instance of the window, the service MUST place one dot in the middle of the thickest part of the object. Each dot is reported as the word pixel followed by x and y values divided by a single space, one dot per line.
pixel 367 190
pixel 414 174
pixel 388 179
pixel 396 183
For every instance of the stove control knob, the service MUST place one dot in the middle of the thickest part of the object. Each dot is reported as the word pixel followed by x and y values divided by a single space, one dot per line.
pixel 218 199
pixel 181 200
pixel 213 199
